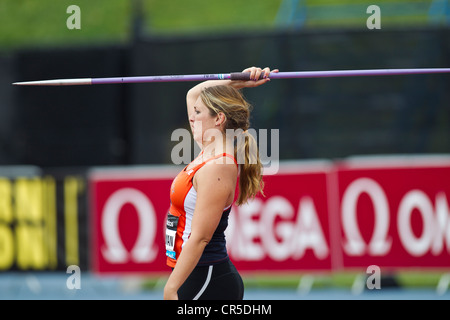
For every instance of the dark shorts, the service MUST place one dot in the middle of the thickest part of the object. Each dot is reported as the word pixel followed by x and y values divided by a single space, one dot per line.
pixel 214 282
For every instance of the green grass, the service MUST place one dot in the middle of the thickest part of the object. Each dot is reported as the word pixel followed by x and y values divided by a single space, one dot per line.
pixel 208 16
pixel 43 22
pixel 25 23
pixel 343 280
pixel 407 279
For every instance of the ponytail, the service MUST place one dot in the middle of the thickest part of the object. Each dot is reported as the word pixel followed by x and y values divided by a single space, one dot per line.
pixel 250 168
pixel 236 109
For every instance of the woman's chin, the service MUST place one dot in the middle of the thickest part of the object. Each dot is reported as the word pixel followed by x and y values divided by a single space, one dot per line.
pixel 198 140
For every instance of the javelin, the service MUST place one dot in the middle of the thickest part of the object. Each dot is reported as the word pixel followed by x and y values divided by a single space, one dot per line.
pixel 233 76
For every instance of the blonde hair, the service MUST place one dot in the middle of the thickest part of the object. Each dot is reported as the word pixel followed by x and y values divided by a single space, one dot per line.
pixel 236 109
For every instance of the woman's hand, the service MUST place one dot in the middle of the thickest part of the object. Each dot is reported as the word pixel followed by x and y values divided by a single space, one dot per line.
pixel 255 73
pixel 170 294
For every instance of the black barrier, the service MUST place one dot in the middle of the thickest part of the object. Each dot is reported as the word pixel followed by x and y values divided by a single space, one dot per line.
pixel 316 118
pixel 76 126
pixel 43 219
pixel 8 140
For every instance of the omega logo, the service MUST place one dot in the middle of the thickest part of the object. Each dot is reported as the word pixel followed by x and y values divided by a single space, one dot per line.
pixel 144 249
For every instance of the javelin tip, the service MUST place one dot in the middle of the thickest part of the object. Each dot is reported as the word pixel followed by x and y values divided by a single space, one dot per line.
pixel 59 82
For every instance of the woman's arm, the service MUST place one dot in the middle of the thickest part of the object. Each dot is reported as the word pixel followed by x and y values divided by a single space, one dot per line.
pixel 255 73
pixel 208 211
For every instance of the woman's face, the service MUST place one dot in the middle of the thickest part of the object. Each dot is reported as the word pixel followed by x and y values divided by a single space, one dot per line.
pixel 203 124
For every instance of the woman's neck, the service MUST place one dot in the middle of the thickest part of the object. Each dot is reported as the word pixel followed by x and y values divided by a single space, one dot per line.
pixel 215 148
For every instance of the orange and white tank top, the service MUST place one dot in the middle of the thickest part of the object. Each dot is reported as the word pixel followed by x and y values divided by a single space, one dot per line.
pixel 183 197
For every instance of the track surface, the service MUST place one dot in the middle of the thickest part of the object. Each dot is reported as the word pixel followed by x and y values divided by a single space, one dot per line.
pixel 52 286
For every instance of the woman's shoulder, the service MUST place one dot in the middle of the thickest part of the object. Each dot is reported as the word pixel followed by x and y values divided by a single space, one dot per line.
pixel 221 163
pixel 219 166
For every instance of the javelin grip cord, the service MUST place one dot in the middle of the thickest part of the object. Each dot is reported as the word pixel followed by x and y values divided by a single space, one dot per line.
pixel 244 76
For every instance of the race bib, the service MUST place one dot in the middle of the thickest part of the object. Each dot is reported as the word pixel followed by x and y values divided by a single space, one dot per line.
pixel 171 231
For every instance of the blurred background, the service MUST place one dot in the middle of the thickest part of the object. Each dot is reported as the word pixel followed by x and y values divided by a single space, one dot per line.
pixel 52 137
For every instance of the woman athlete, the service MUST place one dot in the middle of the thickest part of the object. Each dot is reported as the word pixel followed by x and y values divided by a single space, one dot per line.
pixel 203 192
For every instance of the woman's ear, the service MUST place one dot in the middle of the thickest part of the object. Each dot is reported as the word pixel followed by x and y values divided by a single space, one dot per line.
pixel 220 119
